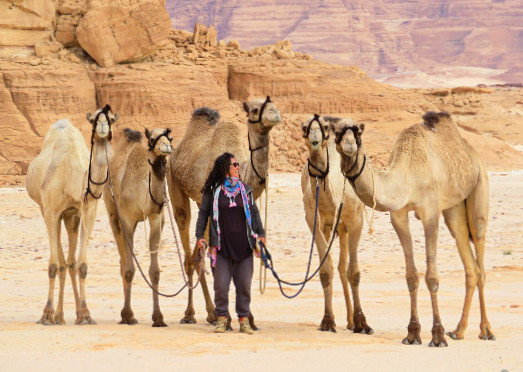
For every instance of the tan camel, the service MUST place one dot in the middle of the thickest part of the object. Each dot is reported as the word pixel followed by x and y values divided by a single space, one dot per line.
pixel 67 186
pixel 138 182
pixel 321 168
pixel 432 170
pixel 204 140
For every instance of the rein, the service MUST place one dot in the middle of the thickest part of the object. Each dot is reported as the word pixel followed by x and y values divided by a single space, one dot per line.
pixel 160 205
pixel 267 258
pixel 200 258
pixel 104 111
pixel 353 179
pixel 262 179
pixel 323 173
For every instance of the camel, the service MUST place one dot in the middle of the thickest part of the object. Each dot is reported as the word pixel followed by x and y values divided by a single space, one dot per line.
pixel 318 169
pixel 66 185
pixel 138 184
pixel 432 170
pixel 204 140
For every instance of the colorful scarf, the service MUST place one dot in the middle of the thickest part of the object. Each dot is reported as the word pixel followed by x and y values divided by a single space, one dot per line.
pixel 230 187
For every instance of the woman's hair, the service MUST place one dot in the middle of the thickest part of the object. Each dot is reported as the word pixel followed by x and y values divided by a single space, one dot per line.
pixel 217 176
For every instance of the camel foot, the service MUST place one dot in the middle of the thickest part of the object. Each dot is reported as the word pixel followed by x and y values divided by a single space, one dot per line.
pixel 158 320
pixel 47 318
pixel 360 324
pixel 211 318
pixel 327 324
pixel 350 326
pixel 251 322
pixel 487 334
pixel 438 337
pixel 128 317
pixel 188 320
pixel 413 337
pixel 83 318
pixel 454 335
pixel 59 319
pixel 229 323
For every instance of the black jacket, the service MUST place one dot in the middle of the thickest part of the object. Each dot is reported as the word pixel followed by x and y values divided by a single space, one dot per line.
pixel 206 211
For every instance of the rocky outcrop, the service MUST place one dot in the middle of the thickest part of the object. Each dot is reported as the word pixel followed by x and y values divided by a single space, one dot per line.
pixel 112 34
pixel 380 37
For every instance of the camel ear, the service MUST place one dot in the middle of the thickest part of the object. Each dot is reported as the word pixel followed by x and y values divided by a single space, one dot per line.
pixel 246 107
pixel 361 128
pixel 167 131
pixel 88 116
pixel 147 133
pixel 115 117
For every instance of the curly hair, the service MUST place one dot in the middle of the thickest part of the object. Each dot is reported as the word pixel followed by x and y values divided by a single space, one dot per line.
pixel 218 173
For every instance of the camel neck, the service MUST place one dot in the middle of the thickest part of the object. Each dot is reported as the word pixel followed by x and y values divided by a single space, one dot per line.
pixel 255 169
pixel 386 188
pixel 157 179
pixel 97 172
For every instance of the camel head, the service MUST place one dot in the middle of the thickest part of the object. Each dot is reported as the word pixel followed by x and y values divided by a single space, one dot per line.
pixel 316 132
pixel 159 141
pixel 102 120
pixel 348 137
pixel 264 114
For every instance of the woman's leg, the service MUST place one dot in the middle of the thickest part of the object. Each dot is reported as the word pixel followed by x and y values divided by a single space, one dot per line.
pixel 222 280
pixel 242 277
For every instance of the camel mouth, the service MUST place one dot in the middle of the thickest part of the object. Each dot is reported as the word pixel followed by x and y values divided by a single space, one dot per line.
pixel 315 143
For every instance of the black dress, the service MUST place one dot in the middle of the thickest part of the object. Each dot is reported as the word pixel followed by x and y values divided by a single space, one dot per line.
pixel 233 229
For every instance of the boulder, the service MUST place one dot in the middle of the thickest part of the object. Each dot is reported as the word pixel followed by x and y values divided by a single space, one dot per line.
pixel 113 34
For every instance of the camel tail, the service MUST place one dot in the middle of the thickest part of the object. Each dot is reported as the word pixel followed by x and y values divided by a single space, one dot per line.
pixel 431 118
pixel 132 135
pixel 468 223
pixel 212 116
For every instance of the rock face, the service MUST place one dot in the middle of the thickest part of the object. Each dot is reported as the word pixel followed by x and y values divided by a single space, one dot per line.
pixel 381 37
pixel 113 33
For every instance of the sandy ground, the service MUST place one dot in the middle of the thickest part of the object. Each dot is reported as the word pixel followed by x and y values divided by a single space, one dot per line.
pixel 288 339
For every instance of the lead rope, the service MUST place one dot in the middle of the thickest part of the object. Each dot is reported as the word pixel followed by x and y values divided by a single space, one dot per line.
pixel 263 283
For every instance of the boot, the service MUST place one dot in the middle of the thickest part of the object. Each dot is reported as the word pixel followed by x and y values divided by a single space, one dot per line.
pixel 221 325
pixel 245 327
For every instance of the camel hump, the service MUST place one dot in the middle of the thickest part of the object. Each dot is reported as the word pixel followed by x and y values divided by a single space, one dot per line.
pixel 331 119
pixel 431 118
pixel 212 116
pixel 132 135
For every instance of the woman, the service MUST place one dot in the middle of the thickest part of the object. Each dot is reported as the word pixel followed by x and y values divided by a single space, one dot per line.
pixel 234 227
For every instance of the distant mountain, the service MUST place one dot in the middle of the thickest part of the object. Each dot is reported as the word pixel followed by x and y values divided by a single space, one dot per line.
pixel 387 39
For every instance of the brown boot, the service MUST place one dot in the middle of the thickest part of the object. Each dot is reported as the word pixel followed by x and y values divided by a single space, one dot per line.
pixel 245 327
pixel 221 325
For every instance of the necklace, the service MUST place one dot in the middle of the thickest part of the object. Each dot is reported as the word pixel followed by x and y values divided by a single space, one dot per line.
pixel 231 196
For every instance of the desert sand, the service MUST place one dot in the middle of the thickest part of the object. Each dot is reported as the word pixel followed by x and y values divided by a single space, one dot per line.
pixel 288 339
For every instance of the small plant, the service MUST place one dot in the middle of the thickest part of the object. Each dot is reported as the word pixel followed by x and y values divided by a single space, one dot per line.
pixel 507 252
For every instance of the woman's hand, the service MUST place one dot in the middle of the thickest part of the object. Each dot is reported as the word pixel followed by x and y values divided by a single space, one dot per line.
pixel 201 243
pixel 257 252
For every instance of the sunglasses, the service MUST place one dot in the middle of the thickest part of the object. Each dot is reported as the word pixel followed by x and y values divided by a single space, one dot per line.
pixel 235 164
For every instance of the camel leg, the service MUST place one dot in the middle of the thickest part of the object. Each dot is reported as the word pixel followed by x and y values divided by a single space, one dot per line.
pixel 154 268
pixel 477 214
pixel 342 269
pixel 59 313
pixel 326 273
pixel 400 222
pixel 126 268
pixel 456 221
pixel 430 226
pixel 182 215
pixel 88 218
pixel 52 222
pixel 353 274
pixel 72 224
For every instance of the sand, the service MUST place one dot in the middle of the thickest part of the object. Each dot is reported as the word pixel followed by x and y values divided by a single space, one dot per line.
pixel 288 339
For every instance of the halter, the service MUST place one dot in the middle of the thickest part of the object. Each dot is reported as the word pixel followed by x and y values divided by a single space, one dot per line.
pixel 152 145
pixel 323 173
pixel 165 133
pixel 262 108
pixel 104 111
pixel 353 179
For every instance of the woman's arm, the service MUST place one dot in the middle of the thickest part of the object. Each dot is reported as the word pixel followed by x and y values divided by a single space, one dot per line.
pixel 257 225
pixel 203 214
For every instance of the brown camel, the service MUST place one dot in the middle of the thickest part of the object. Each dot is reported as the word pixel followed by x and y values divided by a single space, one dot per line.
pixel 67 185
pixel 204 140
pixel 138 182
pixel 432 170
pixel 318 170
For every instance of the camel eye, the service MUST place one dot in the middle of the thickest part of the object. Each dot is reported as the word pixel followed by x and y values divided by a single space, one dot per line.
pixel 255 111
